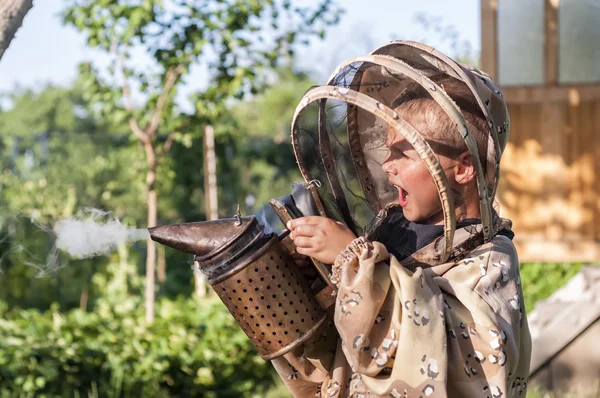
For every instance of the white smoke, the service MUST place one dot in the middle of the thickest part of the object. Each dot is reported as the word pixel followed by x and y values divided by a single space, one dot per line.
pixel 52 261
pixel 94 232
pixel 266 217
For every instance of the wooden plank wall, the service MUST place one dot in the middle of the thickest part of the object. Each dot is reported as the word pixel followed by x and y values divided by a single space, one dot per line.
pixel 549 184
pixel 551 167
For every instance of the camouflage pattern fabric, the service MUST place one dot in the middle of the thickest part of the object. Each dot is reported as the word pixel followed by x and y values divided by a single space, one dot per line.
pixel 420 329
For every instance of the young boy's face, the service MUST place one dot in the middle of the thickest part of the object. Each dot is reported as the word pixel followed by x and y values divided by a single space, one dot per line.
pixel 417 193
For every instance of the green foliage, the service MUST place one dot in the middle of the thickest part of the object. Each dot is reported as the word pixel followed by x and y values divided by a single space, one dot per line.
pixel 270 114
pixel 237 41
pixel 190 351
pixel 255 146
pixel 49 109
pixel 540 280
pixel 64 149
pixel 57 159
pixel 60 158
pixel 52 176
pixel 78 170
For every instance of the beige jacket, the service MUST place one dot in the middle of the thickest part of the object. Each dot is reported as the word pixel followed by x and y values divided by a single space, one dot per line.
pixel 418 328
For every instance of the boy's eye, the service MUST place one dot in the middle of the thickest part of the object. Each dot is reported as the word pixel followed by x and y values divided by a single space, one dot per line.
pixel 398 154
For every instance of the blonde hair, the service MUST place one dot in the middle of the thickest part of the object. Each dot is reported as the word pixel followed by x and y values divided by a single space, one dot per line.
pixel 419 109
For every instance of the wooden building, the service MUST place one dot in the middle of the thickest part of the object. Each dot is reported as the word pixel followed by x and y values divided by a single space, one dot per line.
pixel 545 55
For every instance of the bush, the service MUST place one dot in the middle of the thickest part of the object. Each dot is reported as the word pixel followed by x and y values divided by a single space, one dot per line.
pixel 190 351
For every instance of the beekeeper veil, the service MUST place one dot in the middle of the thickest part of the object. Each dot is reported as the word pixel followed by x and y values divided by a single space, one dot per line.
pixel 339 133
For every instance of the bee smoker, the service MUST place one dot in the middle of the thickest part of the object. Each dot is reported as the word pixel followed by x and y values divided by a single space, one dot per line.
pixel 255 276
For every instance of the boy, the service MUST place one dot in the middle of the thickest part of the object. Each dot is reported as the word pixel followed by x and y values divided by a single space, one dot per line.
pixel 408 322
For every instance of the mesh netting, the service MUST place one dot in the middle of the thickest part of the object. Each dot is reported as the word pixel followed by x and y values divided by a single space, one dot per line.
pixel 339 130
pixel 344 145
pixel 322 144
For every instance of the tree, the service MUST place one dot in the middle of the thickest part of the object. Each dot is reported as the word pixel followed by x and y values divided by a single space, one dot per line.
pixel 12 13
pixel 237 41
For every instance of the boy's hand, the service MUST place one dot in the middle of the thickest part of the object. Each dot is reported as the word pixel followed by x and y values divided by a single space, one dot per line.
pixel 319 237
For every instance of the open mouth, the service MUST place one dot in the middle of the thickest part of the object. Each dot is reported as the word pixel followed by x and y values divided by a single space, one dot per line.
pixel 402 197
pixel 402 194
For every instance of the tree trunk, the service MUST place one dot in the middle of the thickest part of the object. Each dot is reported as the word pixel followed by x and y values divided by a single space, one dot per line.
pixel 12 13
pixel 152 219
pixel 210 197
pixel 150 258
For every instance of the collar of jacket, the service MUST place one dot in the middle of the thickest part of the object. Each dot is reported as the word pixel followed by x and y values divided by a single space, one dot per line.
pixel 466 239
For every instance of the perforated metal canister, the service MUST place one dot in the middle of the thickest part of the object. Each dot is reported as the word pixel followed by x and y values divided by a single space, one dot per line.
pixel 255 276
pixel 271 300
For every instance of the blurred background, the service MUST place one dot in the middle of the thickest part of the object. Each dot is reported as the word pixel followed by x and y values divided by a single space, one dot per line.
pixel 175 111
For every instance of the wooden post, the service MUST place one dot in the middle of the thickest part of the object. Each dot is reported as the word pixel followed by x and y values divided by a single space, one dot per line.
pixel 552 116
pixel 210 196
pixel 83 300
pixel 489 33
pixel 161 264
pixel 551 42
pixel 210 174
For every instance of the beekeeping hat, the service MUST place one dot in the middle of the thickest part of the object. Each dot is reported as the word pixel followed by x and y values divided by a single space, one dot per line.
pixel 339 133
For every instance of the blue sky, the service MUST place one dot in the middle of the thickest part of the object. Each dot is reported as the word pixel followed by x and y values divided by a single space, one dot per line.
pixel 45 51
